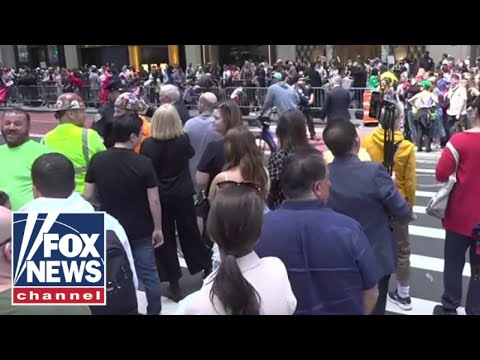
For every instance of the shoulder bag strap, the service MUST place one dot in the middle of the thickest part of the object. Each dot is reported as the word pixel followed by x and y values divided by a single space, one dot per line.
pixel 456 156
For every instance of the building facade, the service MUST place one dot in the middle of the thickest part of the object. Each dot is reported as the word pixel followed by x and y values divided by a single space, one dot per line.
pixel 144 56
pixel 74 56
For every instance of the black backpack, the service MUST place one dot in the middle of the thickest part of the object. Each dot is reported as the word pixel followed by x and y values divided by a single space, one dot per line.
pixel 121 292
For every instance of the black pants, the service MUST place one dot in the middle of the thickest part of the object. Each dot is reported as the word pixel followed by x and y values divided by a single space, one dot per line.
pixel 455 247
pixel 424 133
pixel 382 296
pixel 179 213
pixel 311 125
pixel 448 124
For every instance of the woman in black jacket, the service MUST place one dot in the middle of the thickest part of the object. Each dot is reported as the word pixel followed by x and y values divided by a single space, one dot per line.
pixel 170 150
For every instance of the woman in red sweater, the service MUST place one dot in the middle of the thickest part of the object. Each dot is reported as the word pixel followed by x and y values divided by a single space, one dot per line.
pixel 461 217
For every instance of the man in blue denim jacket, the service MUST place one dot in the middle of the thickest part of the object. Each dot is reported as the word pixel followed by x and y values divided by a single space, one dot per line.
pixel 364 191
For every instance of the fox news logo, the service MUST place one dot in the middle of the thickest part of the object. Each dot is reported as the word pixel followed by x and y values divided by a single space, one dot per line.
pixel 58 259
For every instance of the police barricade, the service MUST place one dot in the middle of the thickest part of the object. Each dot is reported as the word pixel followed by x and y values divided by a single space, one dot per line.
pixel 51 94
pixel 12 95
pixel 251 99
pixel 31 95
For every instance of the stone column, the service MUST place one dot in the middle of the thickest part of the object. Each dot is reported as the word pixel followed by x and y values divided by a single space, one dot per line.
pixel 385 49
pixel 285 52
pixel 330 52
pixel 193 54
pixel 71 56
pixel 7 56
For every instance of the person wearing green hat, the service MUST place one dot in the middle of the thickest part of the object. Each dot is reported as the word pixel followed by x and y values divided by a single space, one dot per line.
pixel 281 96
pixel 423 105
pixel 278 76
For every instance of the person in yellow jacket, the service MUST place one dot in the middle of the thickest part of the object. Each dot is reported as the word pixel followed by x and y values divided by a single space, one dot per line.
pixel 406 181
pixel 71 138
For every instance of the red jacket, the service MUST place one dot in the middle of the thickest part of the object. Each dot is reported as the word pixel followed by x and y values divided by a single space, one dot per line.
pixel 463 210
pixel 77 82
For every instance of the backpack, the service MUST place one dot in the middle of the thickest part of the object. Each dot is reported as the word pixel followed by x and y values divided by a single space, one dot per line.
pixel 121 292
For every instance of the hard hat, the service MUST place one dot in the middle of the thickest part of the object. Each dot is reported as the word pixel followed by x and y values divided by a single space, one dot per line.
pixel 69 101
pixel 129 101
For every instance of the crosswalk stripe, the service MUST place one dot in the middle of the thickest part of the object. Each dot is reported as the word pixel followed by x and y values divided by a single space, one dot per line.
pixel 433 264
pixel 420 307
pixel 420 209
pixel 427 232
pixel 427 194
pixel 425 171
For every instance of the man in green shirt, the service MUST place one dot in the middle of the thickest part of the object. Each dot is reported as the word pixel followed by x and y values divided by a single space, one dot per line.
pixel 17 157
pixel 6 307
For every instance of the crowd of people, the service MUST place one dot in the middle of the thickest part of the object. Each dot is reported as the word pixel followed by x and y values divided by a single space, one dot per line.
pixel 306 233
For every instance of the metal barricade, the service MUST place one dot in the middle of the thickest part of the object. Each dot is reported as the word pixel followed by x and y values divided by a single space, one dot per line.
pixel 252 98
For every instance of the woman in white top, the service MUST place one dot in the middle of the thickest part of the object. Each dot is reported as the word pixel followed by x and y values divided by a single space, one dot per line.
pixel 244 284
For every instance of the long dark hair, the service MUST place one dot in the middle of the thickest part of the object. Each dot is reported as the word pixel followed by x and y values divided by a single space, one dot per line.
pixel 235 222
pixel 291 130
pixel 241 150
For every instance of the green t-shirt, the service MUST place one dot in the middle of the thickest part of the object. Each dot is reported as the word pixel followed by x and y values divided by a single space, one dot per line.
pixel 15 171
pixel 6 308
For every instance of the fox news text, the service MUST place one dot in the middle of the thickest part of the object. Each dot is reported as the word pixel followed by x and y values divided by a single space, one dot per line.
pixel 58 259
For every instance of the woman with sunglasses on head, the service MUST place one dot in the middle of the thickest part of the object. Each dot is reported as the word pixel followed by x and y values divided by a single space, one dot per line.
pixel 244 284
pixel 243 162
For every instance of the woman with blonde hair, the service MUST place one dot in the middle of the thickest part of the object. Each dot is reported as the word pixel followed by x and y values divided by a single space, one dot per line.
pixel 170 150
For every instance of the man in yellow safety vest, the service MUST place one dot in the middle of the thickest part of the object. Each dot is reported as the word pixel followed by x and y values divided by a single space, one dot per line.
pixel 71 138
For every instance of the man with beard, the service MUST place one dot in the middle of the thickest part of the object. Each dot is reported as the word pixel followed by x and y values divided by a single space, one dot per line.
pixel 17 157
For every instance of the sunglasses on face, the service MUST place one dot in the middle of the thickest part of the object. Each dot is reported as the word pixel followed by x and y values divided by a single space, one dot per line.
pixel 251 185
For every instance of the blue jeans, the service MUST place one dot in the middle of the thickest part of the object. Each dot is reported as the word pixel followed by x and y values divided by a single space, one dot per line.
pixel 411 124
pixel 146 267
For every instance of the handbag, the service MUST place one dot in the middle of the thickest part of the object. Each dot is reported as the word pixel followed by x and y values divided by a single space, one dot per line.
pixel 438 204
pixel 202 205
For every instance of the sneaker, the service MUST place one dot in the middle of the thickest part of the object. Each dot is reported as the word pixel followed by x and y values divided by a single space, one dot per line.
pixel 401 302
pixel 440 310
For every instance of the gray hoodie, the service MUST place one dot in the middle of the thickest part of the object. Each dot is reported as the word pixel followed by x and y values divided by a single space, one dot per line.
pixel 282 96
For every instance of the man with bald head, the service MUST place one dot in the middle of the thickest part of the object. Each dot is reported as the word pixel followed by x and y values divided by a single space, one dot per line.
pixel 6 307
pixel 200 130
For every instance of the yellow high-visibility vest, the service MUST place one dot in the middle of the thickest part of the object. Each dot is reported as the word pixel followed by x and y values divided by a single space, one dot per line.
pixel 77 144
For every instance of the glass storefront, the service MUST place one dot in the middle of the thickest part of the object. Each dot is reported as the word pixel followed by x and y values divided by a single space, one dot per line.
pixel 42 56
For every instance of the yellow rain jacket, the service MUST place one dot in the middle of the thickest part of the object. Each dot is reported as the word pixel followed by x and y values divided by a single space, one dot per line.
pixel 404 161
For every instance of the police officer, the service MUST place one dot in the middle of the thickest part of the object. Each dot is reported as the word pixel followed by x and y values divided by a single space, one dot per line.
pixel 71 138
pixel 104 119
pixel 307 99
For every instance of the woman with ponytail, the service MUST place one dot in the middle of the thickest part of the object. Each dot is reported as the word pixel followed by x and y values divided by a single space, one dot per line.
pixel 244 284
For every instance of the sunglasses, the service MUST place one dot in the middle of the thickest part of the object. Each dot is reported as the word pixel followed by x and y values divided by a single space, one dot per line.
pixel 5 242
pixel 251 185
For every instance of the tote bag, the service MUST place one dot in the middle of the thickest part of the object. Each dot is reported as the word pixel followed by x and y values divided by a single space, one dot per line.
pixel 438 204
